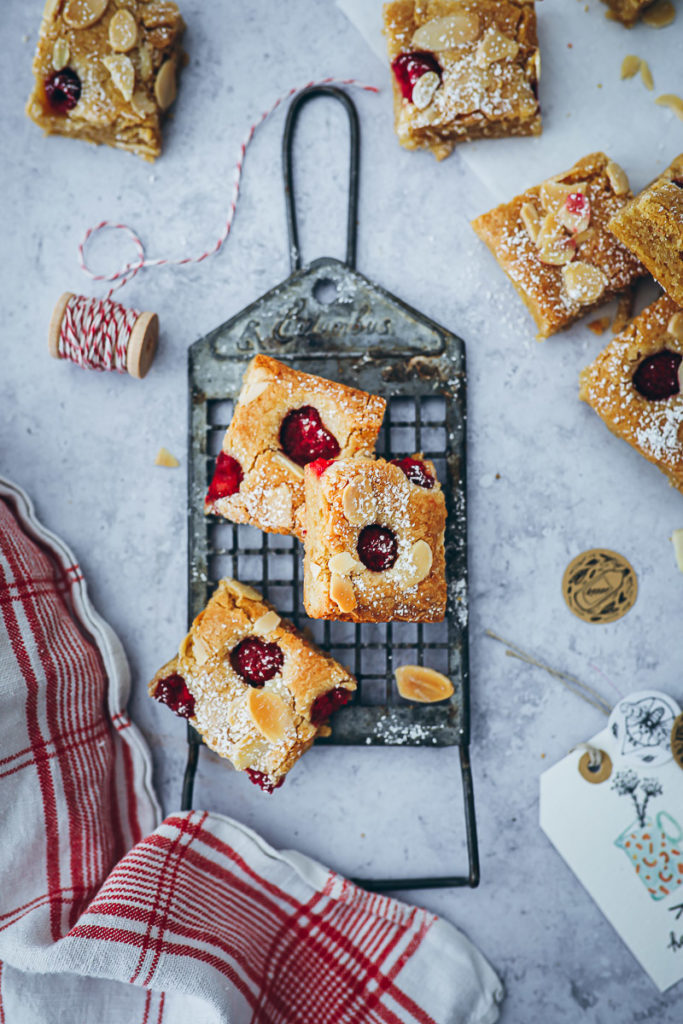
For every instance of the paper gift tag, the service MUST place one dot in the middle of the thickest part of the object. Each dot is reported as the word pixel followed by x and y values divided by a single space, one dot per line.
pixel 623 837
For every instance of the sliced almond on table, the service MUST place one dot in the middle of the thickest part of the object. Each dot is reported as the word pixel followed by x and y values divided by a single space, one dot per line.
pixel 164 458
pixel 675 103
pixel 266 623
pixel 342 593
pixel 447 32
pixel 83 13
pixel 123 31
pixel 271 716
pixel 630 65
pixel 426 685
pixel 583 282
pixel 646 75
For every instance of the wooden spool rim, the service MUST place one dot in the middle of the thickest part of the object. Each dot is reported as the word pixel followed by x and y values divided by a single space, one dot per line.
pixel 55 327
pixel 142 345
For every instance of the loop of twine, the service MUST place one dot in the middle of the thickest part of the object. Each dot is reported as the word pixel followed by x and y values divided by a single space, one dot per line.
pixel 127 272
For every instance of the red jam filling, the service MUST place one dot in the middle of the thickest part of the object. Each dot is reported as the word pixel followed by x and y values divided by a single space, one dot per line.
pixel 577 203
pixel 304 438
pixel 657 376
pixel 63 90
pixel 227 478
pixel 377 548
pixel 173 692
pixel 263 781
pixel 327 703
pixel 409 67
pixel 319 466
pixel 416 471
pixel 256 661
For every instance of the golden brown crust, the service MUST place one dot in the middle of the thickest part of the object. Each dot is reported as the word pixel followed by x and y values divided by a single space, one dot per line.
pixel 542 285
pixel 651 225
pixel 382 494
pixel 127 76
pixel 272 491
pixel 476 99
pixel 627 11
pixel 222 714
pixel 654 428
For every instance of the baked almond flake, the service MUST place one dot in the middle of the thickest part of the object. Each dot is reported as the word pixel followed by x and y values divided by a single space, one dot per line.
pixel 425 685
pixel 271 716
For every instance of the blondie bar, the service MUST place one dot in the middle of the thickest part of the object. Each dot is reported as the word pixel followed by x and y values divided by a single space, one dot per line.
pixel 635 385
pixel 651 225
pixel 251 685
pixel 374 546
pixel 105 71
pixel 554 244
pixel 283 420
pixel 462 70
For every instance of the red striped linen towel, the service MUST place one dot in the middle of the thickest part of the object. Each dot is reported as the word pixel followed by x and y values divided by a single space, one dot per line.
pixel 107 917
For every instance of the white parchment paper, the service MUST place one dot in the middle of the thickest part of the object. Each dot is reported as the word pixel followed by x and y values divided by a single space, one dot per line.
pixel 585 104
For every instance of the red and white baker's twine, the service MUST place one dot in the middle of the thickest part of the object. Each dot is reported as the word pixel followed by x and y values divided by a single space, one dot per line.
pixel 128 272
pixel 94 333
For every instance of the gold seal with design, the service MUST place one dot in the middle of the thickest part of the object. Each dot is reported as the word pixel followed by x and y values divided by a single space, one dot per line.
pixel 600 585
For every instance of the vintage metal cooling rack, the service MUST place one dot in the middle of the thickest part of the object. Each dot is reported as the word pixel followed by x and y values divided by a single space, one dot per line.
pixel 330 320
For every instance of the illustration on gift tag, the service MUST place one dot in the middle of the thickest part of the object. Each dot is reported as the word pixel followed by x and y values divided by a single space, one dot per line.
pixel 652 845
pixel 642 727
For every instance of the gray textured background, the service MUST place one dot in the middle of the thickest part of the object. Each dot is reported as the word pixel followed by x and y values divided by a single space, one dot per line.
pixel 83 446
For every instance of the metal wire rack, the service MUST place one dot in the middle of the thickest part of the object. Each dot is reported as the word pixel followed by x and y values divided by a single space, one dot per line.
pixel 331 321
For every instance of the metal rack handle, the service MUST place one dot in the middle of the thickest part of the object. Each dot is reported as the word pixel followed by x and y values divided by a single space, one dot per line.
pixel 354 144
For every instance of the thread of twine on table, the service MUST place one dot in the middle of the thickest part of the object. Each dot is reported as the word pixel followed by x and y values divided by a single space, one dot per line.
pixel 95 333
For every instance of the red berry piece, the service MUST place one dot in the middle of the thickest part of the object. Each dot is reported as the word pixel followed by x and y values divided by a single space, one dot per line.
pixel 227 478
pixel 256 661
pixel 319 466
pixel 304 438
pixel 377 548
pixel 173 692
pixel 324 705
pixel 408 68
pixel 63 90
pixel 263 781
pixel 657 376
pixel 416 471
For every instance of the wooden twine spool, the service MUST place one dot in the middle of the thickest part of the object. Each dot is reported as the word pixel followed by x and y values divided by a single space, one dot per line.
pixel 99 334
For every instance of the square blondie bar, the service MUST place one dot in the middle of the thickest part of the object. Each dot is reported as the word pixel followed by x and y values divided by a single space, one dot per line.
pixel 651 226
pixel 106 72
pixel 374 546
pixel 554 244
pixel 256 690
pixel 462 70
pixel 635 385
pixel 283 420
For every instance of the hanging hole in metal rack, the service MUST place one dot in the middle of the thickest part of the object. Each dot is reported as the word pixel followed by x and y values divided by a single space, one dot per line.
pixel 329 320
